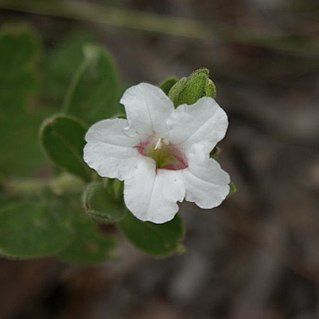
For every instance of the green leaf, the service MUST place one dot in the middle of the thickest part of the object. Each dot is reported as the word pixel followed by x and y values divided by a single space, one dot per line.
pixel 61 63
pixel 189 90
pixel 19 54
pixel 94 91
pixel 232 188
pixel 215 153
pixel 167 84
pixel 19 119
pixel 154 239
pixel 5 199
pixel 101 203
pixel 90 246
pixel 62 138
pixel 34 229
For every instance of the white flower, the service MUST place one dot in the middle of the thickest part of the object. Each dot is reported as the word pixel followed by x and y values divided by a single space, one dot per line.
pixel 161 153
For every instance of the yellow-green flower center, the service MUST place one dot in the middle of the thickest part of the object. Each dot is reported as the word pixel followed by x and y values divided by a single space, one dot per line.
pixel 165 155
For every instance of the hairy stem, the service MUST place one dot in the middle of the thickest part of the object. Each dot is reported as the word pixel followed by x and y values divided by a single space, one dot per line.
pixel 28 187
pixel 152 22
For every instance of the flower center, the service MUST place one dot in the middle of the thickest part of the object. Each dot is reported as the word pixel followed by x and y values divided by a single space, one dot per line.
pixel 165 155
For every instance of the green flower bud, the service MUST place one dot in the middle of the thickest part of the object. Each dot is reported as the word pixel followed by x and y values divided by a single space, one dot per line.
pixel 189 90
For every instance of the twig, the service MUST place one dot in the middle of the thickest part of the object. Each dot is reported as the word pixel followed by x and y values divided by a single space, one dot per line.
pixel 163 24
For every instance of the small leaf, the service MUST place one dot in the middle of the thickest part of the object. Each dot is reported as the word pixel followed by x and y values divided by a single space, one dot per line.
pixel 232 188
pixel 60 65
pixel 19 54
pixel 62 139
pixel 154 239
pixel 5 198
pixel 34 230
pixel 93 93
pixel 89 246
pixel 19 120
pixel 167 84
pixel 119 116
pixel 215 153
pixel 189 90
pixel 100 204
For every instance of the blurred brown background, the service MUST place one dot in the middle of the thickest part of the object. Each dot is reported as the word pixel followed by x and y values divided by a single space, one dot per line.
pixel 257 255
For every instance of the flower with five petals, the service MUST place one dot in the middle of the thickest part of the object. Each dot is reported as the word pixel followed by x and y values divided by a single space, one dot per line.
pixel 161 153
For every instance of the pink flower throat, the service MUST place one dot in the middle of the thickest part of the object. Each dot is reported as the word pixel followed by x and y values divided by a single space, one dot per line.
pixel 166 155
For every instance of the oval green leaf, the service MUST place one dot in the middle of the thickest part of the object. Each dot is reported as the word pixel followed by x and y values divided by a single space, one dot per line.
pixel 19 119
pixel 101 204
pixel 89 246
pixel 62 138
pixel 61 63
pixel 155 239
pixel 29 230
pixel 19 54
pixel 94 91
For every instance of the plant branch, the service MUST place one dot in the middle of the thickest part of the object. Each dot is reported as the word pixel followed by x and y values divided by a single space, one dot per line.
pixel 28 187
pixel 163 24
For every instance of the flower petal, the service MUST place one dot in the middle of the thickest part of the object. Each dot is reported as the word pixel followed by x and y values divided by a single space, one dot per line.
pixel 152 195
pixel 202 122
pixel 147 109
pixel 109 150
pixel 207 185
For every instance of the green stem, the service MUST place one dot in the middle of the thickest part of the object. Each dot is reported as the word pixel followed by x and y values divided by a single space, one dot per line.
pixel 151 22
pixel 112 16
pixel 58 185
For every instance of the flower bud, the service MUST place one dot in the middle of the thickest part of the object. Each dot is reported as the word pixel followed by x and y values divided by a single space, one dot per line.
pixel 189 90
